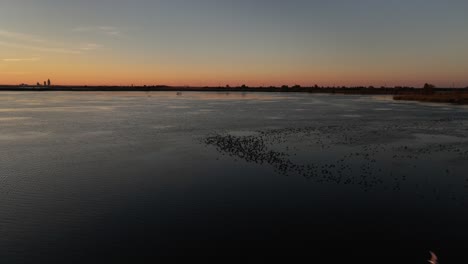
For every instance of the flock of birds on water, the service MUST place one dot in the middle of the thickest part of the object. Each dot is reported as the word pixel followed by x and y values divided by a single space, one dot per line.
pixel 349 155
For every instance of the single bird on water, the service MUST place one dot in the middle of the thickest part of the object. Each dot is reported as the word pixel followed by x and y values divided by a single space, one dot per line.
pixel 434 259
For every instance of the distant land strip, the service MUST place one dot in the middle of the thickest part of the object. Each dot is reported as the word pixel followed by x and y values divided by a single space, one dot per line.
pixel 436 95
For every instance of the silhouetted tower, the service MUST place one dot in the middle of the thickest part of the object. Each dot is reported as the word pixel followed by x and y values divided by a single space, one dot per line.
pixel 45 83
pixel 48 82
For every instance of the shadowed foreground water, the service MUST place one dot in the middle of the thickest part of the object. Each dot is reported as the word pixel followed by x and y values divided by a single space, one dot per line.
pixel 109 177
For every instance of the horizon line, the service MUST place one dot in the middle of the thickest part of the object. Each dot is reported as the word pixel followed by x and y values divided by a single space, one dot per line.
pixel 234 86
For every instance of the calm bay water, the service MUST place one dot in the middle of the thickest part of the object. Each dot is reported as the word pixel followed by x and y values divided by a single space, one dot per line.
pixel 114 176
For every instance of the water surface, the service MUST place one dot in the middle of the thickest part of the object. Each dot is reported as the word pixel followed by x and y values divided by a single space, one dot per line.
pixel 85 176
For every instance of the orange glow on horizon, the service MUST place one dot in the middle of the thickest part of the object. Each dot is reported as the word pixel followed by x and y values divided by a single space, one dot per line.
pixel 89 71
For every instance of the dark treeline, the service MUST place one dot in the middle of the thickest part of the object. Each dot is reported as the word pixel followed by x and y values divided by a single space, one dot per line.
pixel 243 88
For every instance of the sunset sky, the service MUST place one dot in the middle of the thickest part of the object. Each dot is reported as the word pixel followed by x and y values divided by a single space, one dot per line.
pixel 219 42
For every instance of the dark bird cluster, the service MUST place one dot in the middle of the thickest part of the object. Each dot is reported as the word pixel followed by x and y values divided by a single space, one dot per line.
pixel 356 156
pixel 258 149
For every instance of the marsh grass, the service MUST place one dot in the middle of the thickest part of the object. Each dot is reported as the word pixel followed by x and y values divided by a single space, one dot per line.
pixel 454 98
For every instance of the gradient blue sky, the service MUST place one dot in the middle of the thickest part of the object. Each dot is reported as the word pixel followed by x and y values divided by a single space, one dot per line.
pixel 208 42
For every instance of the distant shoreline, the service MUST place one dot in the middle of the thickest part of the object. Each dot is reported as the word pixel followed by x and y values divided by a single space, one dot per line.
pixel 452 98
pixel 438 95
pixel 341 90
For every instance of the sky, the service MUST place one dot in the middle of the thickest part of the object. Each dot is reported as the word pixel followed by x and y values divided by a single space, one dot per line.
pixel 221 42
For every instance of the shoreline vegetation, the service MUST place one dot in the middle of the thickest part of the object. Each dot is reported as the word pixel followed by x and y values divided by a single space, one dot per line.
pixel 455 97
pixel 427 94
